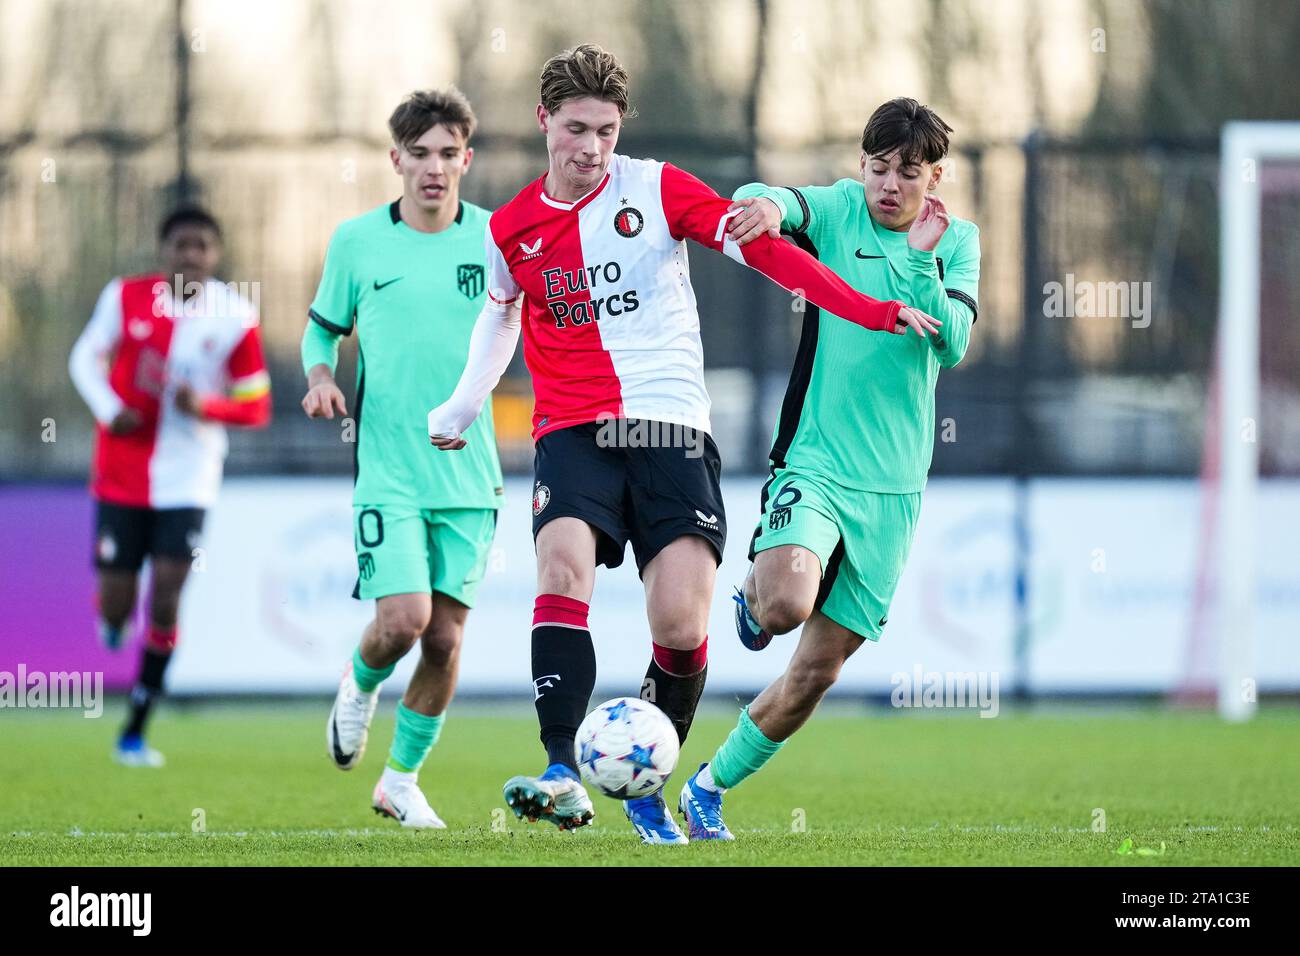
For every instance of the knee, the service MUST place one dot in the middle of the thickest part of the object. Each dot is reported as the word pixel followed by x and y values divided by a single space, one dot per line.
pixel 780 613
pixel 399 629
pixel 560 574
pixel 680 634
pixel 440 644
pixel 807 681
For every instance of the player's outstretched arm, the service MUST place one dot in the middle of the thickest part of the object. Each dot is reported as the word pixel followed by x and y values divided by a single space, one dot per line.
pixel 496 332
pixel 951 297
pixel 697 212
pixel 797 271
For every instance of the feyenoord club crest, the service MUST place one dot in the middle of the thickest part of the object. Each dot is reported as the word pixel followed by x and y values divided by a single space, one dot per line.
pixel 628 222
pixel 469 279
pixel 541 498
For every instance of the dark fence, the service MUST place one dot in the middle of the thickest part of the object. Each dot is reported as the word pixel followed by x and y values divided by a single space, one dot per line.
pixel 1099 293
pixel 1091 354
pixel 1100 269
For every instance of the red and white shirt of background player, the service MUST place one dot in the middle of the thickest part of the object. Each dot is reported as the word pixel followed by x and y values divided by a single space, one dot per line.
pixel 608 313
pixel 137 348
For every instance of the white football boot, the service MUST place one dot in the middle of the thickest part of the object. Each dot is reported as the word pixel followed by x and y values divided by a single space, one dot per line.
pixel 397 795
pixel 349 723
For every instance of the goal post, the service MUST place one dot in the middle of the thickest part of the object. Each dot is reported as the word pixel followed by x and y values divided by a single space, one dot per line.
pixel 1246 146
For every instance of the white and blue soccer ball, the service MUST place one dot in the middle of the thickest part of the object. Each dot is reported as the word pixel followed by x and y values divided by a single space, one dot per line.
pixel 626 748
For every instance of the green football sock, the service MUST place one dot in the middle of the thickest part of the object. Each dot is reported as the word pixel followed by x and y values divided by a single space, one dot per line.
pixel 413 739
pixel 742 753
pixel 367 677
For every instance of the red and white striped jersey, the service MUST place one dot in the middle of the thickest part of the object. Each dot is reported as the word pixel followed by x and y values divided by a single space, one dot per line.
pixel 150 346
pixel 610 323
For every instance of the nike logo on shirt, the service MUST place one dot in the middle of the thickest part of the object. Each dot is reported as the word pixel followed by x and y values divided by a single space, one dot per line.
pixel 938 261
pixel 379 285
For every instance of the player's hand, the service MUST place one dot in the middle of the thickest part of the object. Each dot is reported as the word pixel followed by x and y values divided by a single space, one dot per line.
pixel 929 225
pixel 447 442
pixel 188 401
pixel 321 401
pixel 127 420
pixel 923 324
pixel 440 436
pixel 757 215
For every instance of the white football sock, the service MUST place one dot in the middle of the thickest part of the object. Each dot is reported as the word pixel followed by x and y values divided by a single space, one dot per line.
pixel 704 780
pixel 396 778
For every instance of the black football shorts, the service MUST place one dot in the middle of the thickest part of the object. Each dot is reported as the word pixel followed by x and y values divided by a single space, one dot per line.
pixel 632 480
pixel 125 535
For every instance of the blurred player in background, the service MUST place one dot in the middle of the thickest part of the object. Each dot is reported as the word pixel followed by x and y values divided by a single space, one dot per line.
pixel 408 278
pixel 853 444
pixel 165 362
pixel 597 249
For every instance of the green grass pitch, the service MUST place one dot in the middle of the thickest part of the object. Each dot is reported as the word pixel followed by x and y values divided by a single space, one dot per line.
pixel 856 786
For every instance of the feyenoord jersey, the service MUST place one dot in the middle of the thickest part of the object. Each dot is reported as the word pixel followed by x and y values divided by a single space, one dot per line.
pixel 610 323
pixel 154 343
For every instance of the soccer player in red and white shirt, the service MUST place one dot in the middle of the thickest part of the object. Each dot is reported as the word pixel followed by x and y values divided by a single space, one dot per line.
pixel 166 360
pixel 596 250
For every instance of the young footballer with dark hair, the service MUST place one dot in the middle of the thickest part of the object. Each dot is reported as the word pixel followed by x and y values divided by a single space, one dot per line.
pixel 853 443
pixel 165 362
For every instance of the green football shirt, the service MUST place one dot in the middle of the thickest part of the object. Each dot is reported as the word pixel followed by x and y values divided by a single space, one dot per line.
pixel 860 405
pixel 412 298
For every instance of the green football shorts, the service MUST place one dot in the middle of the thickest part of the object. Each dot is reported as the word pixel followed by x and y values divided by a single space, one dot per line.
pixel 405 550
pixel 861 538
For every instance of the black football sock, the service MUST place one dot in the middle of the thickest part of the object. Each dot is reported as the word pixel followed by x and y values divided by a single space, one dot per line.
pixel 674 682
pixel 148 688
pixel 564 673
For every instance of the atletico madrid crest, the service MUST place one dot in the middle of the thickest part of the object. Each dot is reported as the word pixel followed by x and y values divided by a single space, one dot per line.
pixel 469 279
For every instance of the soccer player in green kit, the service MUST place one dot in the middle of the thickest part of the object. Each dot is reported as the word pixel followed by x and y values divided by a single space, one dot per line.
pixel 408 277
pixel 853 444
